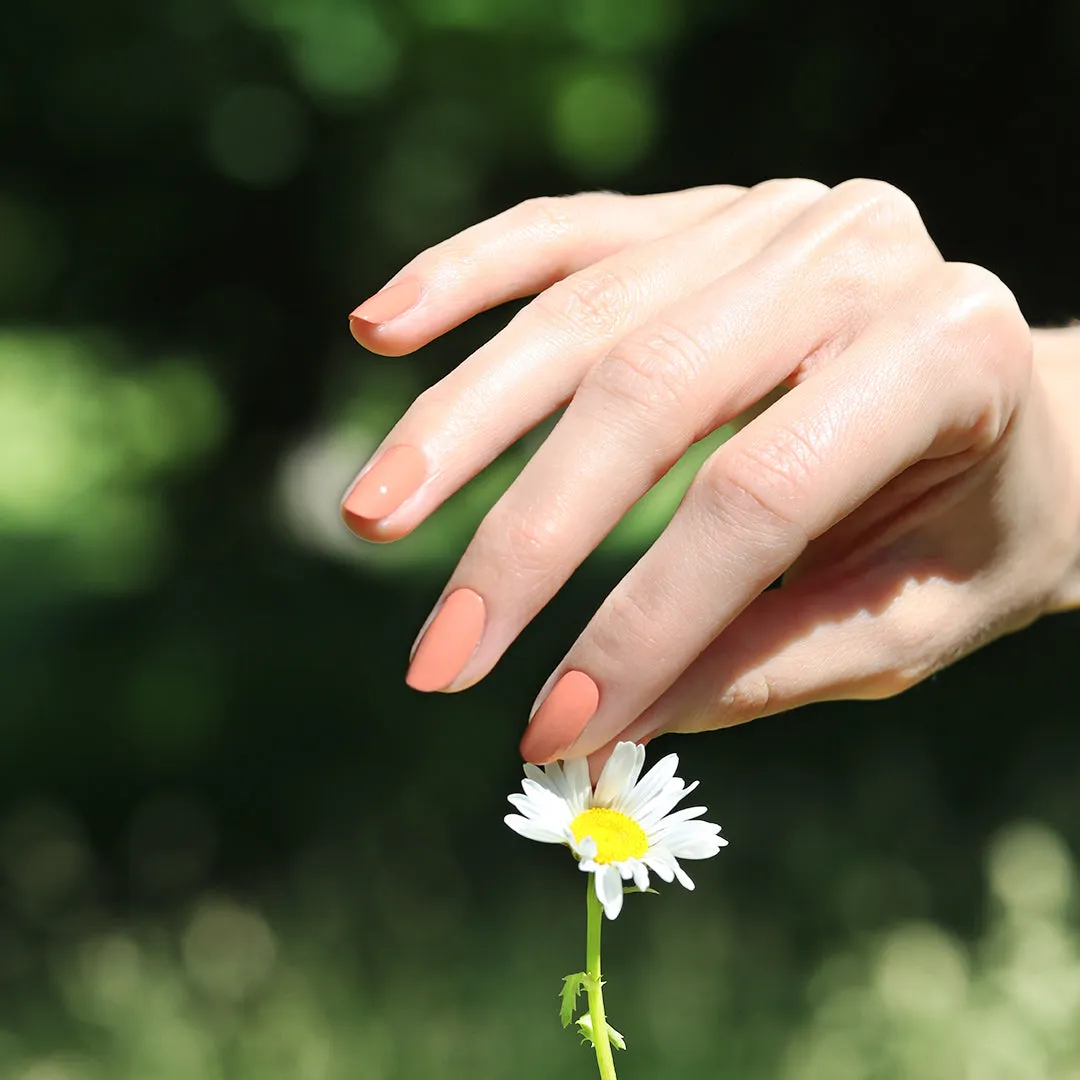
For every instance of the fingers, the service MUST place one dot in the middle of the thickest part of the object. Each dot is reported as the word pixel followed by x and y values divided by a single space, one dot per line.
pixel 518 253
pixel 950 384
pixel 863 635
pixel 637 410
pixel 701 361
pixel 532 367
pixel 869 615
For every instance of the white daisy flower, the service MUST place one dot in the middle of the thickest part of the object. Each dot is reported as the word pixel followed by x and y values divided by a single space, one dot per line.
pixel 622 829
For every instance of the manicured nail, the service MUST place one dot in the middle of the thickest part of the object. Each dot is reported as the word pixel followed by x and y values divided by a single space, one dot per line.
pixel 388 304
pixel 561 718
pixel 448 642
pixel 385 486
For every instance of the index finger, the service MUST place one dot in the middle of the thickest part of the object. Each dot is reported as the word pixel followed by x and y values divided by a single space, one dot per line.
pixel 518 253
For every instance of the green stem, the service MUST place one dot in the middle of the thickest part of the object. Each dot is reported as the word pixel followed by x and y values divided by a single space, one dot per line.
pixel 601 1041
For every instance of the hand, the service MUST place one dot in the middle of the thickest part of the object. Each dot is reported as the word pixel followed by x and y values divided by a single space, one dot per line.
pixel 916 486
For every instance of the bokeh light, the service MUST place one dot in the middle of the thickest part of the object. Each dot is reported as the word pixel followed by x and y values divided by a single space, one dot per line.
pixel 83 444
pixel 603 120
pixel 618 26
pixel 341 50
pixel 256 135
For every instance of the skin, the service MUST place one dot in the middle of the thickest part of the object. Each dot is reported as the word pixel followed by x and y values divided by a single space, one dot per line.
pixel 917 485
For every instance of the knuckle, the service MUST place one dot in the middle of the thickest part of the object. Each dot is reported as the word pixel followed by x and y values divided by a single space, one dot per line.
pixel 430 406
pixel 761 482
pixel 723 191
pixel 593 304
pixel 454 262
pixel 525 542
pixel 870 229
pixel 893 681
pixel 556 216
pixel 879 206
pixel 624 627
pixel 977 299
pixel 980 323
pixel 749 696
pixel 795 189
pixel 651 372
pixel 910 664
pixel 902 658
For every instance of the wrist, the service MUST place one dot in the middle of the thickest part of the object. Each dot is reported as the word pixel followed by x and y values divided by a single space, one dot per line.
pixel 1057 368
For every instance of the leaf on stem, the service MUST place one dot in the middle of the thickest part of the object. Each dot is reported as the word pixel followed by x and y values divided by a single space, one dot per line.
pixel 572 985
pixel 585 1024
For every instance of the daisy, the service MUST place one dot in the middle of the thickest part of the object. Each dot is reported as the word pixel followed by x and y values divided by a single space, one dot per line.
pixel 622 829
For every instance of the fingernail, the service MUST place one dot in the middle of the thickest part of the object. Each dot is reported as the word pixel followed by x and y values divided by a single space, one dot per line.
pixel 385 486
pixel 561 718
pixel 388 304
pixel 449 642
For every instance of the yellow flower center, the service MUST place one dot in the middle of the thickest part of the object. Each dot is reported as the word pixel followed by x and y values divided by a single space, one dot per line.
pixel 617 836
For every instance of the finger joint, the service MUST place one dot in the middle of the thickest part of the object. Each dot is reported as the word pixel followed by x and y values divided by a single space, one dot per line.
pixel 624 627
pixel 590 305
pixel 653 372
pixel 762 484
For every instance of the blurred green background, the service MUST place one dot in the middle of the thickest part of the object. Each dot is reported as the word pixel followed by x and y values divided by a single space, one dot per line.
pixel 233 846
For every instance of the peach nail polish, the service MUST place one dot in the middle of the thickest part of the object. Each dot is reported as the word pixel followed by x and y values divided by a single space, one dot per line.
pixel 561 718
pixel 388 304
pixel 385 486
pixel 448 642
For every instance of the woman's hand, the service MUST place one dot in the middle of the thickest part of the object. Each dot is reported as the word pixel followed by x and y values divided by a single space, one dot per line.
pixel 916 487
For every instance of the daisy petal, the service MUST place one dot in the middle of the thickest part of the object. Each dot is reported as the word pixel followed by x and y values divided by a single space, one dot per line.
pixel 578 787
pixel 683 877
pixel 687 843
pixel 543 797
pixel 635 773
pixel 619 774
pixel 660 864
pixel 674 791
pixel 673 826
pixel 541 792
pixel 529 806
pixel 586 847
pixel 553 782
pixel 534 830
pixel 641 875
pixel 557 777
pixel 609 890
pixel 650 785
pixel 688 813
pixel 702 849
pixel 543 807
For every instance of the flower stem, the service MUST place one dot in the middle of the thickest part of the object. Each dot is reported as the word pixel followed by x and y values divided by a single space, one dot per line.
pixel 600 1038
